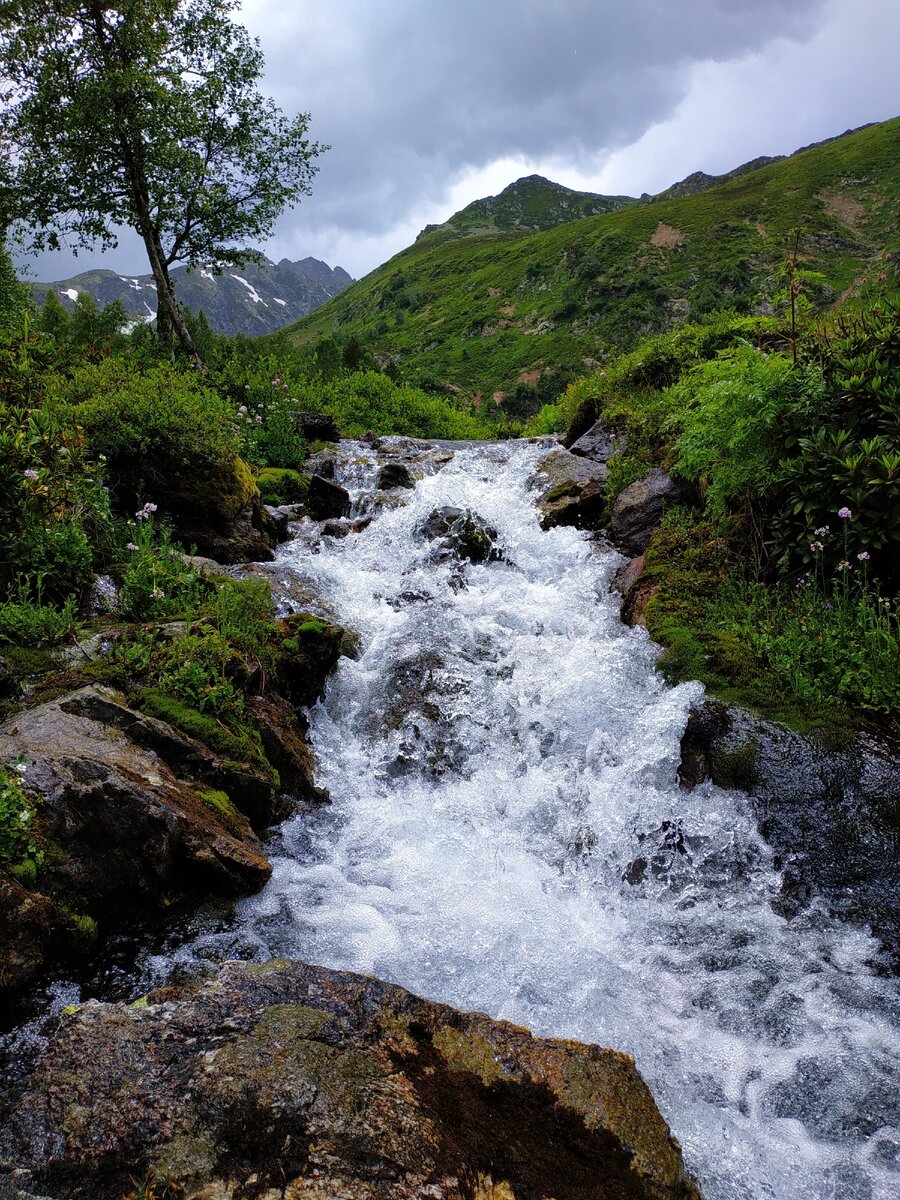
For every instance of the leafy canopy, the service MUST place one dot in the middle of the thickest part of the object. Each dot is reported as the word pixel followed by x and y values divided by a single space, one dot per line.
pixel 143 113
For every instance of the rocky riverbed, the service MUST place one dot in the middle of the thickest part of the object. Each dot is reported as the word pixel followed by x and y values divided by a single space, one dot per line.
pixel 524 819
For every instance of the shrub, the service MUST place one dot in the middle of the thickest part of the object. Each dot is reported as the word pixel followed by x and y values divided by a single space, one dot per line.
pixel 34 624
pixel 370 401
pixel 730 415
pixel 18 849
pixel 157 582
pixel 54 512
pixel 851 459
pixel 161 430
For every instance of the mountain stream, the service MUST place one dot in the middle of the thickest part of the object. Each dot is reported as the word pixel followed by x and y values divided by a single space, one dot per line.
pixel 507 834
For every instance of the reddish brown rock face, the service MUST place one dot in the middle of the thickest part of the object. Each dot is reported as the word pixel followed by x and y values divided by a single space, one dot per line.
pixel 290 1081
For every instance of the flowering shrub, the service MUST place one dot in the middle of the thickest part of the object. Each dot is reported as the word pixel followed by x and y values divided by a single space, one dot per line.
pixel 156 581
pixel 18 849
pixel 268 426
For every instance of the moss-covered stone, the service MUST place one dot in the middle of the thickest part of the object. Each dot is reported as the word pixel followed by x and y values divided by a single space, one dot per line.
pixel 283 1079
pixel 237 745
pixel 735 767
pixel 281 485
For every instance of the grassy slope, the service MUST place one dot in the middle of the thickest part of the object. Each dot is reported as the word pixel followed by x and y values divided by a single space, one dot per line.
pixel 477 314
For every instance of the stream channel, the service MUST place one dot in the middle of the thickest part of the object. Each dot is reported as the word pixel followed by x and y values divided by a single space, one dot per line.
pixel 506 833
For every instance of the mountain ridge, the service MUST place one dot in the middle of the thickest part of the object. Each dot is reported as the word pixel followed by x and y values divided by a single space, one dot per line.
pixel 498 312
pixel 258 298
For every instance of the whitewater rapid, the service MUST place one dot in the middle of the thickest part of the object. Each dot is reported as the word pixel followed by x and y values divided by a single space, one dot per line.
pixel 506 833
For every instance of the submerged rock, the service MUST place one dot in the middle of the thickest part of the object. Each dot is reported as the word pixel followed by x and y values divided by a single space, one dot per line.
pixel 575 495
pixel 395 475
pixel 286 1080
pixel 639 509
pixel 460 532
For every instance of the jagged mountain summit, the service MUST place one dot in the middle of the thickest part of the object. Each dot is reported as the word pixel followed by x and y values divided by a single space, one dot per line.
pixel 254 299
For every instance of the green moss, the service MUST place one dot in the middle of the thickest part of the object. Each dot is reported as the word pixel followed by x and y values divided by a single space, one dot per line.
pixel 26 662
pixel 228 490
pixel 240 744
pixel 281 485
pixel 219 803
pixel 564 489
pixel 26 872
pixel 736 768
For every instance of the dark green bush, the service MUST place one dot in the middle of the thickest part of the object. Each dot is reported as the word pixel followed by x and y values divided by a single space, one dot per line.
pixel 155 427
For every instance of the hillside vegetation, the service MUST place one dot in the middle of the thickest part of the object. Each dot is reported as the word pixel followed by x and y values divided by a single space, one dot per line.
pixel 507 317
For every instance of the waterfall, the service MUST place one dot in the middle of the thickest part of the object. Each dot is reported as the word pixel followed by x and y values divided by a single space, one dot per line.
pixel 507 834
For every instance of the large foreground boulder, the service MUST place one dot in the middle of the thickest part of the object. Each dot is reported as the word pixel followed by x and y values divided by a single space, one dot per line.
pixel 572 490
pixel 291 1082
pixel 134 815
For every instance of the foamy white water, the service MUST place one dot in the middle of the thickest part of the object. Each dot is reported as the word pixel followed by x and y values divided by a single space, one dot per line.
pixel 507 834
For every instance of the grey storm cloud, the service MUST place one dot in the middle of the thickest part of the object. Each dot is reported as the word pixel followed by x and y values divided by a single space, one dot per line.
pixel 410 92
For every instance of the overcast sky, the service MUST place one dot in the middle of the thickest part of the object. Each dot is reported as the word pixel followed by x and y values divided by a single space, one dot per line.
pixel 430 104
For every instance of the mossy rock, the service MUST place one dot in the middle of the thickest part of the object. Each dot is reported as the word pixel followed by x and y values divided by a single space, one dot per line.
pixel 237 745
pixel 281 485
pixel 735 767
pixel 218 802
pixel 219 494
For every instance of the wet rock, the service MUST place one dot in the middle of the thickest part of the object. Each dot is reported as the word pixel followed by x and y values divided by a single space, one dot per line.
pixel 283 731
pixel 310 650
pixel 128 828
pixel 573 490
pixel 321 464
pixel 827 801
pixel 318 427
pixel 598 444
pixel 289 1080
pixel 335 529
pixel 8 684
pixel 639 508
pixel 326 499
pixel 461 533
pixel 33 932
pixel 637 590
pixel 280 516
pixel 395 475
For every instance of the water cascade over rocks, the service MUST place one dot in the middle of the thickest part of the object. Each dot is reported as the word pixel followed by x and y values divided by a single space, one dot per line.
pixel 507 834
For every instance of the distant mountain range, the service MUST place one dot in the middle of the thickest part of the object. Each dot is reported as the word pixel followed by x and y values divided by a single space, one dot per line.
pixel 251 299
